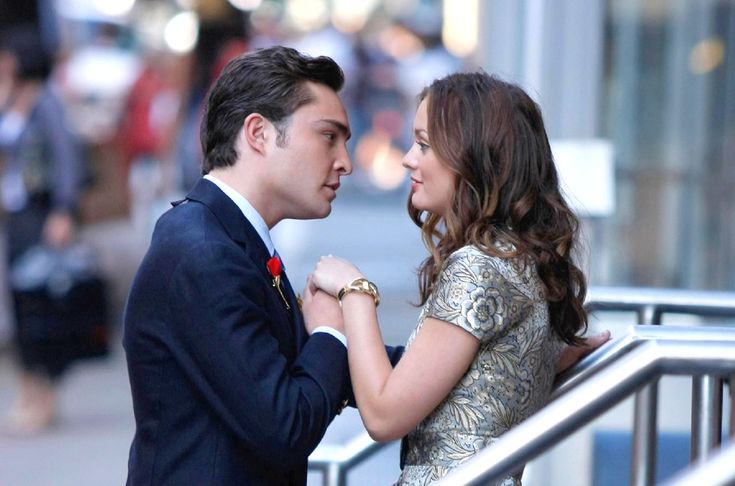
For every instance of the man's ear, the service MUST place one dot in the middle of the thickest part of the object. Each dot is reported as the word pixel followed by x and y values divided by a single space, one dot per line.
pixel 255 131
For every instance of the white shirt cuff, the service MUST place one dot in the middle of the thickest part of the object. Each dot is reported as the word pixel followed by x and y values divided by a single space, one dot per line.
pixel 333 332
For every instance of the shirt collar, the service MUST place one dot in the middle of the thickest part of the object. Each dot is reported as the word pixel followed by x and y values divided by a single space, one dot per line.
pixel 247 209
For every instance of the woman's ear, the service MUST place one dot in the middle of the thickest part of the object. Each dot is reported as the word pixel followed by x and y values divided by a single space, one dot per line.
pixel 255 128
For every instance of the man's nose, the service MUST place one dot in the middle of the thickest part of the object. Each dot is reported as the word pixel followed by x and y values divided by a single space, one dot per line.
pixel 343 164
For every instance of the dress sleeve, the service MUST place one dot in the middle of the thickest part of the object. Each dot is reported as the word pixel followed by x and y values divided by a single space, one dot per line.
pixel 472 293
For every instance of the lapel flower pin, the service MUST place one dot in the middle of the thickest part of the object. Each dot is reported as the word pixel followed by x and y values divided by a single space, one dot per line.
pixel 274 268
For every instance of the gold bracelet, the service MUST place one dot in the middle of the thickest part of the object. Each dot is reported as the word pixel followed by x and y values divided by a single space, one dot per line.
pixel 363 285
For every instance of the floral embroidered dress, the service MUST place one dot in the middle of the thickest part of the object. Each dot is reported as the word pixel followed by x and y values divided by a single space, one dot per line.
pixel 501 303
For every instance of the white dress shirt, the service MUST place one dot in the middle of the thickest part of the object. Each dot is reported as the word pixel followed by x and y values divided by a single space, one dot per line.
pixel 255 219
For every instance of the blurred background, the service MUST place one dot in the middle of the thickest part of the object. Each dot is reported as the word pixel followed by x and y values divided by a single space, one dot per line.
pixel 639 101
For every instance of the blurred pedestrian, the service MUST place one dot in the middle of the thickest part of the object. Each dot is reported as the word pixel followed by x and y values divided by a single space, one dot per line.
pixel 39 187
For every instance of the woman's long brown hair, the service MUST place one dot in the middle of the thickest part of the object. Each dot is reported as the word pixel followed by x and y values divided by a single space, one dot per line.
pixel 491 134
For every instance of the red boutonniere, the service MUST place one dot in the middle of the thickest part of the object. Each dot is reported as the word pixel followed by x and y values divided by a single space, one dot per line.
pixel 274 268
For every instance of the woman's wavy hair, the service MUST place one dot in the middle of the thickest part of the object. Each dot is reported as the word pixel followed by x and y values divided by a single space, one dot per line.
pixel 491 134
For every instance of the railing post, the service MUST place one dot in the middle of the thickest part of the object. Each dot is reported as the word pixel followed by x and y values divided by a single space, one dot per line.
pixel 643 460
pixel 706 416
pixel 731 386
pixel 335 475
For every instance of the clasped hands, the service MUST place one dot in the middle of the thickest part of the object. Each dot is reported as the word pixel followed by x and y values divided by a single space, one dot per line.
pixel 320 306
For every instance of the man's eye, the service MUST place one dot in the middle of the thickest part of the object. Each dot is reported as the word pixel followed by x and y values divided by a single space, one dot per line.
pixel 330 136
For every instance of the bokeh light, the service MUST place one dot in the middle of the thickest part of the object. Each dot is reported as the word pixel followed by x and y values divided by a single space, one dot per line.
pixel 306 15
pixel 180 33
pixel 706 56
pixel 114 8
pixel 349 16
pixel 245 4
pixel 459 31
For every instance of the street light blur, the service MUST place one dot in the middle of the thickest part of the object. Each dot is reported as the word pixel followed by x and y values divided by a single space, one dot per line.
pixel 245 5
pixel 459 30
pixel 181 31
pixel 114 8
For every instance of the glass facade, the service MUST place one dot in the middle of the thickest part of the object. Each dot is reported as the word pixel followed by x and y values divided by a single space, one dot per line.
pixel 669 108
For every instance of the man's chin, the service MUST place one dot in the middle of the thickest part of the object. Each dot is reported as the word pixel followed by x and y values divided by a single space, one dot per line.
pixel 325 213
pixel 316 213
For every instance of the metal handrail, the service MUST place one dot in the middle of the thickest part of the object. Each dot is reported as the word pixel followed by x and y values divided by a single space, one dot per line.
pixel 586 401
pixel 649 304
pixel 717 471
pixel 610 352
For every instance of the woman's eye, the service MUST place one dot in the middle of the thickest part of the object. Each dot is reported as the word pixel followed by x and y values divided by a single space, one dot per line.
pixel 422 146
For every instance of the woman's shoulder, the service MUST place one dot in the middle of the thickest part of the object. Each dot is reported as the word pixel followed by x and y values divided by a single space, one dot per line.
pixel 475 256
pixel 518 270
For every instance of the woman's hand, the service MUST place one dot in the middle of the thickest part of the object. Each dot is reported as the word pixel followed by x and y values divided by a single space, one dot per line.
pixel 333 273
pixel 572 354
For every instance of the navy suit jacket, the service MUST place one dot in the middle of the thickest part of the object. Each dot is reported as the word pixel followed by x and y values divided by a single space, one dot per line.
pixel 228 388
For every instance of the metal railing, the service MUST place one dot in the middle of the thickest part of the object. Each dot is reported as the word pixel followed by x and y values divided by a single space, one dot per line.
pixel 650 305
pixel 334 461
pixel 645 358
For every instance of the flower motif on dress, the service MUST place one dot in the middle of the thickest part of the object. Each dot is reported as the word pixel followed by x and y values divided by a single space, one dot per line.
pixel 480 307
pixel 472 375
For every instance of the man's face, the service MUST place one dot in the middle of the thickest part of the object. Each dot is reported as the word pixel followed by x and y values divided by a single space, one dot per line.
pixel 307 167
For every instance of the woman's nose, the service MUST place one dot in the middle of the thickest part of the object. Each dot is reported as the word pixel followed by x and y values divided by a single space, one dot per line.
pixel 408 161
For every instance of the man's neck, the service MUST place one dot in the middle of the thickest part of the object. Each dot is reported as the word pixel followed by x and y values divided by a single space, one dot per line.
pixel 251 189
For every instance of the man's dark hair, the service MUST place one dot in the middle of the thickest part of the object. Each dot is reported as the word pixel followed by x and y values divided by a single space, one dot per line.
pixel 269 81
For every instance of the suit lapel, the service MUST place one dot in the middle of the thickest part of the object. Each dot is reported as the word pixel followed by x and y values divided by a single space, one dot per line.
pixel 297 321
pixel 241 231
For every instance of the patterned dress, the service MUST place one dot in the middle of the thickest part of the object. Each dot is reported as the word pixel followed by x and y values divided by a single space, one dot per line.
pixel 500 302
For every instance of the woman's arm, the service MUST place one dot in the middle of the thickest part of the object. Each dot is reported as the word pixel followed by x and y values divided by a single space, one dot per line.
pixel 393 401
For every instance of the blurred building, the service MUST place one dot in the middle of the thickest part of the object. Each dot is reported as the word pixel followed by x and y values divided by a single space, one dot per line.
pixel 638 95
pixel 654 78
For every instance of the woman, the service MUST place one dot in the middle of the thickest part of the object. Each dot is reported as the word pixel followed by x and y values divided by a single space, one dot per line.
pixel 39 187
pixel 500 292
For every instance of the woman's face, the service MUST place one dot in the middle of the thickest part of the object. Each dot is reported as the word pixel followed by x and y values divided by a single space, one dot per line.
pixel 432 183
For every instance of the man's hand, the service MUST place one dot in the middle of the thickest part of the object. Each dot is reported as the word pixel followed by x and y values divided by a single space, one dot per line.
pixel 572 354
pixel 321 309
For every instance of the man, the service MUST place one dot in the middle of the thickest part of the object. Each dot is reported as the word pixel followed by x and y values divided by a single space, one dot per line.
pixel 229 384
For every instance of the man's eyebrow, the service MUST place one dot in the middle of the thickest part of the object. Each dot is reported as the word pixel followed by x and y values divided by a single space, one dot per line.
pixel 339 126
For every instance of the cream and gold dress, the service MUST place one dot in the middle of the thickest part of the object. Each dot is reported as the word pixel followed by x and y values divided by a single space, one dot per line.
pixel 500 302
